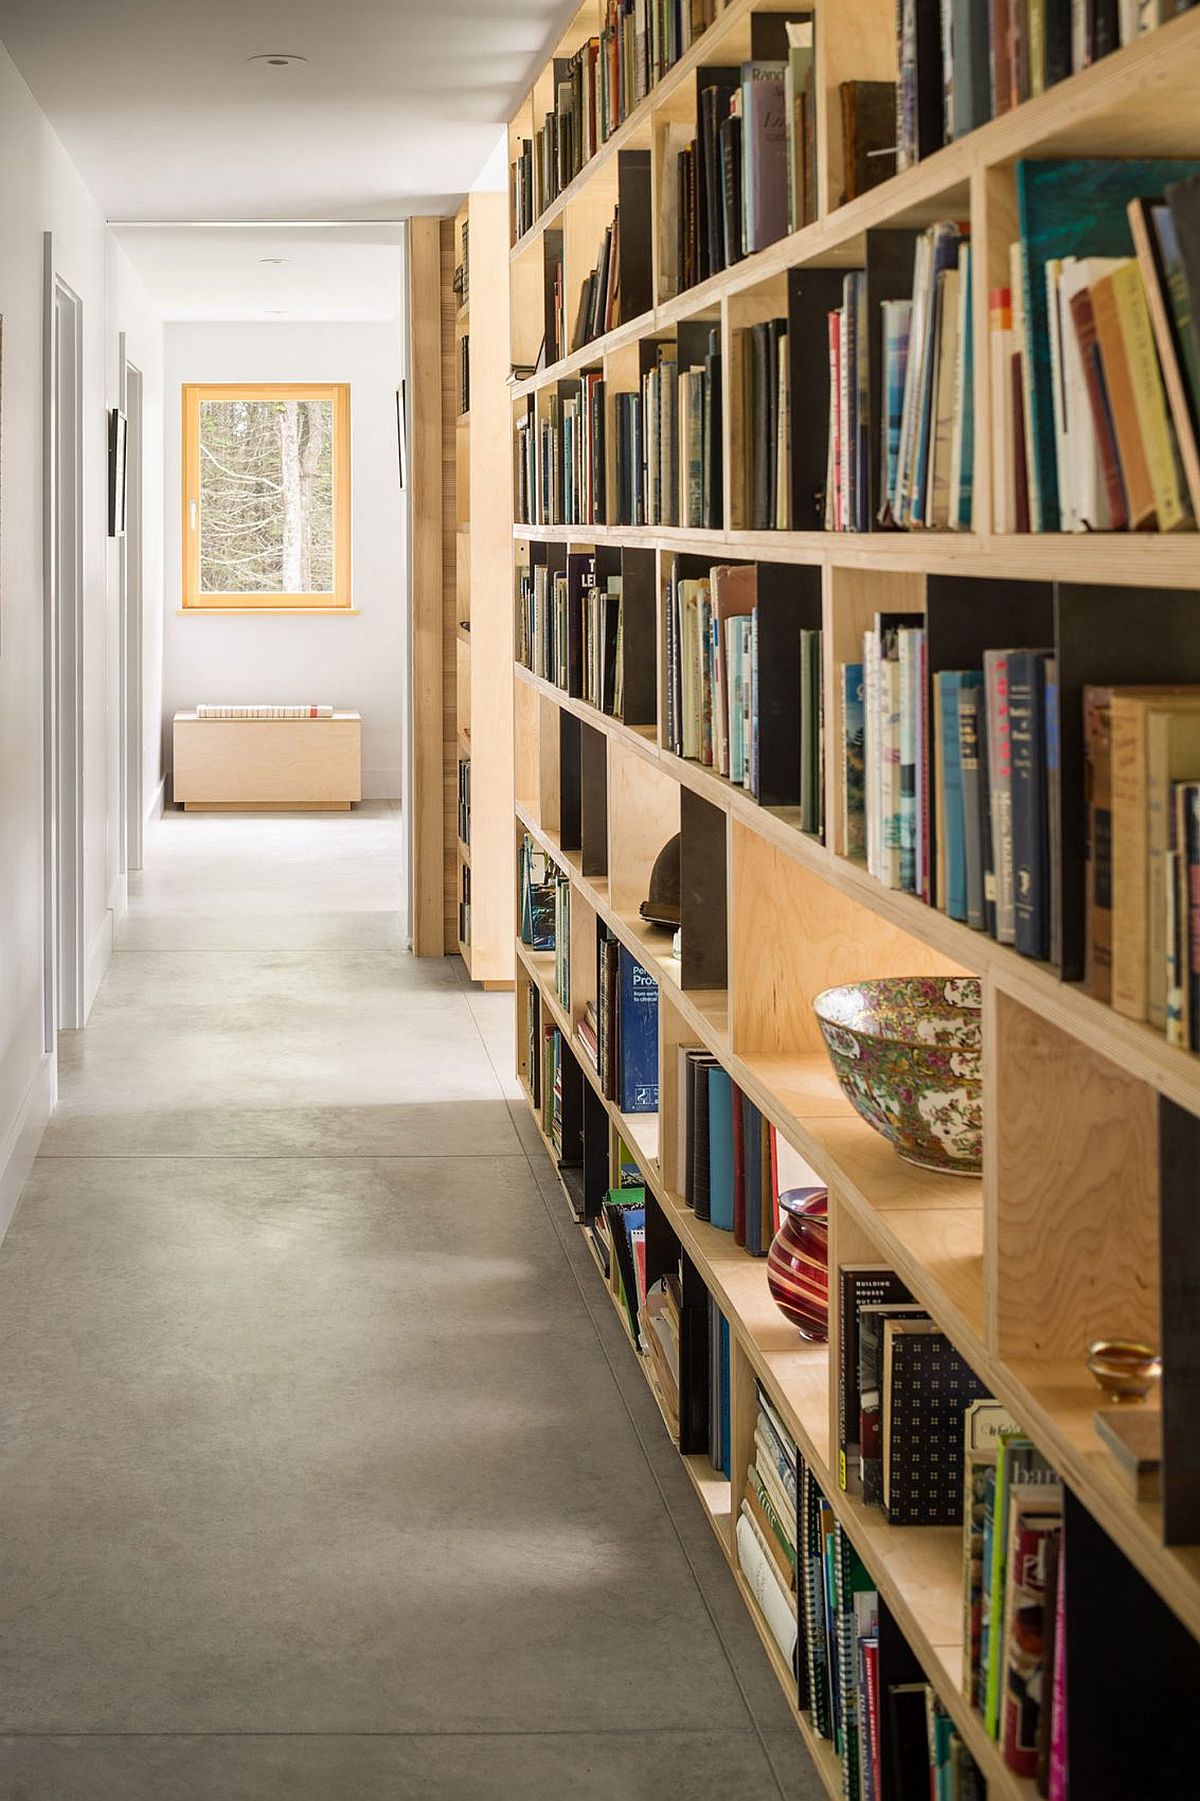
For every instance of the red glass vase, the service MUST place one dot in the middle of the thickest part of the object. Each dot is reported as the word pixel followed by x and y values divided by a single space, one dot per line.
pixel 798 1261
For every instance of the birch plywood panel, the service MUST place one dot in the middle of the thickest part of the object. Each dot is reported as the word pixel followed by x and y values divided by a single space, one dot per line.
pixel 1075 1166
pixel 793 935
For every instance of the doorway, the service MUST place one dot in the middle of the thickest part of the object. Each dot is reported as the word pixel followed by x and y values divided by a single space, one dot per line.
pixel 63 954
pixel 132 807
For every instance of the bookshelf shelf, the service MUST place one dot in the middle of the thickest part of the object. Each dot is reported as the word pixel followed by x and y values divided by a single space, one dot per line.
pixel 1058 1240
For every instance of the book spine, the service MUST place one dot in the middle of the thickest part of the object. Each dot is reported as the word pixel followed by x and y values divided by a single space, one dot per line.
pixel 1084 321
pixel 999 751
pixel 1026 704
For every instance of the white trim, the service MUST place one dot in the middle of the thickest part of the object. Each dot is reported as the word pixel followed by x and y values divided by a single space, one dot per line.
pixel 99 953
pixel 158 800
pixel 20 1144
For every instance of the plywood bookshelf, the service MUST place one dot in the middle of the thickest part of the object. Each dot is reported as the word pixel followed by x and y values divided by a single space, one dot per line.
pixel 478 597
pixel 1073 1230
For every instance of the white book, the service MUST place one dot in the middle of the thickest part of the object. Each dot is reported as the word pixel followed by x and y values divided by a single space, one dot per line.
pixel 756 1566
pixel 1004 507
pixel 937 508
pixel 964 375
pixel 913 379
pixel 1089 506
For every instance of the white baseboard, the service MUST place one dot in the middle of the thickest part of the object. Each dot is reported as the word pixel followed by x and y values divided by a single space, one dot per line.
pixel 20 1144
pixel 381 784
pixel 99 952
pixel 158 798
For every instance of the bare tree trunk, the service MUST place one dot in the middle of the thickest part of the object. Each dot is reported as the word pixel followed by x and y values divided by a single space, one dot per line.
pixel 294 533
pixel 312 445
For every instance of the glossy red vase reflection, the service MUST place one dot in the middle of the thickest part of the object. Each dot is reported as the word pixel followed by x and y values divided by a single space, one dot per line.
pixel 798 1261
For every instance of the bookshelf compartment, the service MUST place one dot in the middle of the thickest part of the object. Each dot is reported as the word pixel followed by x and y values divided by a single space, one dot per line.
pixel 549 812
pixel 703 889
pixel 643 815
pixel 1179 1159
pixel 638 640
pixel 1132 1725
pixel 593 751
pixel 1072 1148
pixel 793 936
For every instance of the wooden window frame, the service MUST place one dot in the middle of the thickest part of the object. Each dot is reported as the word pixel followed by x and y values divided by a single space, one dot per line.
pixel 194 600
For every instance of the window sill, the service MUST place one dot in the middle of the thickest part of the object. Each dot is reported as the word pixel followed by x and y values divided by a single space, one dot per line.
pixel 267 612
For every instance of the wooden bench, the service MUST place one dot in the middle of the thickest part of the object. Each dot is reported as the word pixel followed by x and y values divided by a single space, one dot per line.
pixel 268 765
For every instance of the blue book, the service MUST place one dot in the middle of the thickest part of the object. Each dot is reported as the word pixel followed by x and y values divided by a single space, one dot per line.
pixel 720 1149
pixel 954 849
pixel 854 800
pixel 1073 206
pixel 637 1037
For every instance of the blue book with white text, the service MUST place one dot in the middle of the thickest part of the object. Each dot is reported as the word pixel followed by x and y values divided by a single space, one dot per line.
pixel 637 1037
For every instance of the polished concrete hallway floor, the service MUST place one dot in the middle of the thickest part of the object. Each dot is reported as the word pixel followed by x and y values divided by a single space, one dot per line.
pixel 324 1469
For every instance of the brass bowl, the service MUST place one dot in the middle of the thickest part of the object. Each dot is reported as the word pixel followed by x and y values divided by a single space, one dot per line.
pixel 1125 1370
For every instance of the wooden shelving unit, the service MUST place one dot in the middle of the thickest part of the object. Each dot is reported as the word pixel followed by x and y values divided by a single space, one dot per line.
pixel 1071 1232
pixel 479 641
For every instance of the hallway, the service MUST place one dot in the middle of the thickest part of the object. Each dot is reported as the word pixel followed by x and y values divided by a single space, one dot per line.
pixel 313 1480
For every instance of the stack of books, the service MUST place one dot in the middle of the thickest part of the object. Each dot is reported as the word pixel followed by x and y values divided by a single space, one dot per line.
pixel 720 679
pixel 962 63
pixel 668 449
pixel 901 1407
pixel 537 880
pixel 602 635
pixel 718 1389
pixel 1013 1595
pixel 552 1086
pixel 464 800
pixel 732 1163
pixel 623 1216
pixel 600 295
pixel 562 936
pixel 925 453
pixel 951 783
pixel 560 462
pixel 1142 908
pixel 760 375
pixel 661 1315
pixel 533 1042
pixel 745 175
pixel 1094 354
pixel 766 1530
pixel 596 89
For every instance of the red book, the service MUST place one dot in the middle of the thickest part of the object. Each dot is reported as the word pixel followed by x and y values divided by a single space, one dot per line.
pixel 1084 321
pixel 739 1170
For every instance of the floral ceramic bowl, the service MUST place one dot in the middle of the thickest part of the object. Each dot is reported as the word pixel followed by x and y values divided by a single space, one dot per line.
pixel 908 1051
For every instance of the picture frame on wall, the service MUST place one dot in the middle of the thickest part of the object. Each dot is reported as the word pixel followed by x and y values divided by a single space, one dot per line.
pixel 118 485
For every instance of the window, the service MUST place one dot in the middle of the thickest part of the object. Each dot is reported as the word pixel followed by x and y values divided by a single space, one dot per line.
pixel 266 496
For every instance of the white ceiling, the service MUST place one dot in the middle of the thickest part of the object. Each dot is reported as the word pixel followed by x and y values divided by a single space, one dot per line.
pixel 278 275
pixel 395 113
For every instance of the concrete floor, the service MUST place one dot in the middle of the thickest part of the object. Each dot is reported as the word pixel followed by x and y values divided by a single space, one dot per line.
pixel 325 1470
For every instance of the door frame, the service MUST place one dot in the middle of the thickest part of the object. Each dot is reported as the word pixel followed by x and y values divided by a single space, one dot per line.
pixel 132 574
pixel 62 685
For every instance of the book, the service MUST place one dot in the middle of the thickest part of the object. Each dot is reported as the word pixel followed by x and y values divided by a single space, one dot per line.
pixel 637 1037
pixel 999 758
pixel 1032 875
pixel 1129 711
pixel 754 1561
pixel 1133 1437
pixel 854 842
pixel 1073 206
pixel 927 1388
pixel 1150 227
pixel 868 115
pixel 859 1286
pixel 1035 1520
pixel 1017 1462
pixel 983 1423
pixel 872 1318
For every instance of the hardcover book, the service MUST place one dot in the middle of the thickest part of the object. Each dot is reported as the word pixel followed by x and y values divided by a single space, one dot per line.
pixel 860 1285
pixel 637 1037
pixel 927 1388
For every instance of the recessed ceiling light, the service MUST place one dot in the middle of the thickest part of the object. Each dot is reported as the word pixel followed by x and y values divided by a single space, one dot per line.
pixel 276 312
pixel 274 260
pixel 279 59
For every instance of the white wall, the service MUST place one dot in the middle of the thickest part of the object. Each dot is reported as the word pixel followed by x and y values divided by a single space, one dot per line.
pixel 351 662
pixel 39 191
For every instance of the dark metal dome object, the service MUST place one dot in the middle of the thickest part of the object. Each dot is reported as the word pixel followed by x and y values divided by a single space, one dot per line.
pixel 661 906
